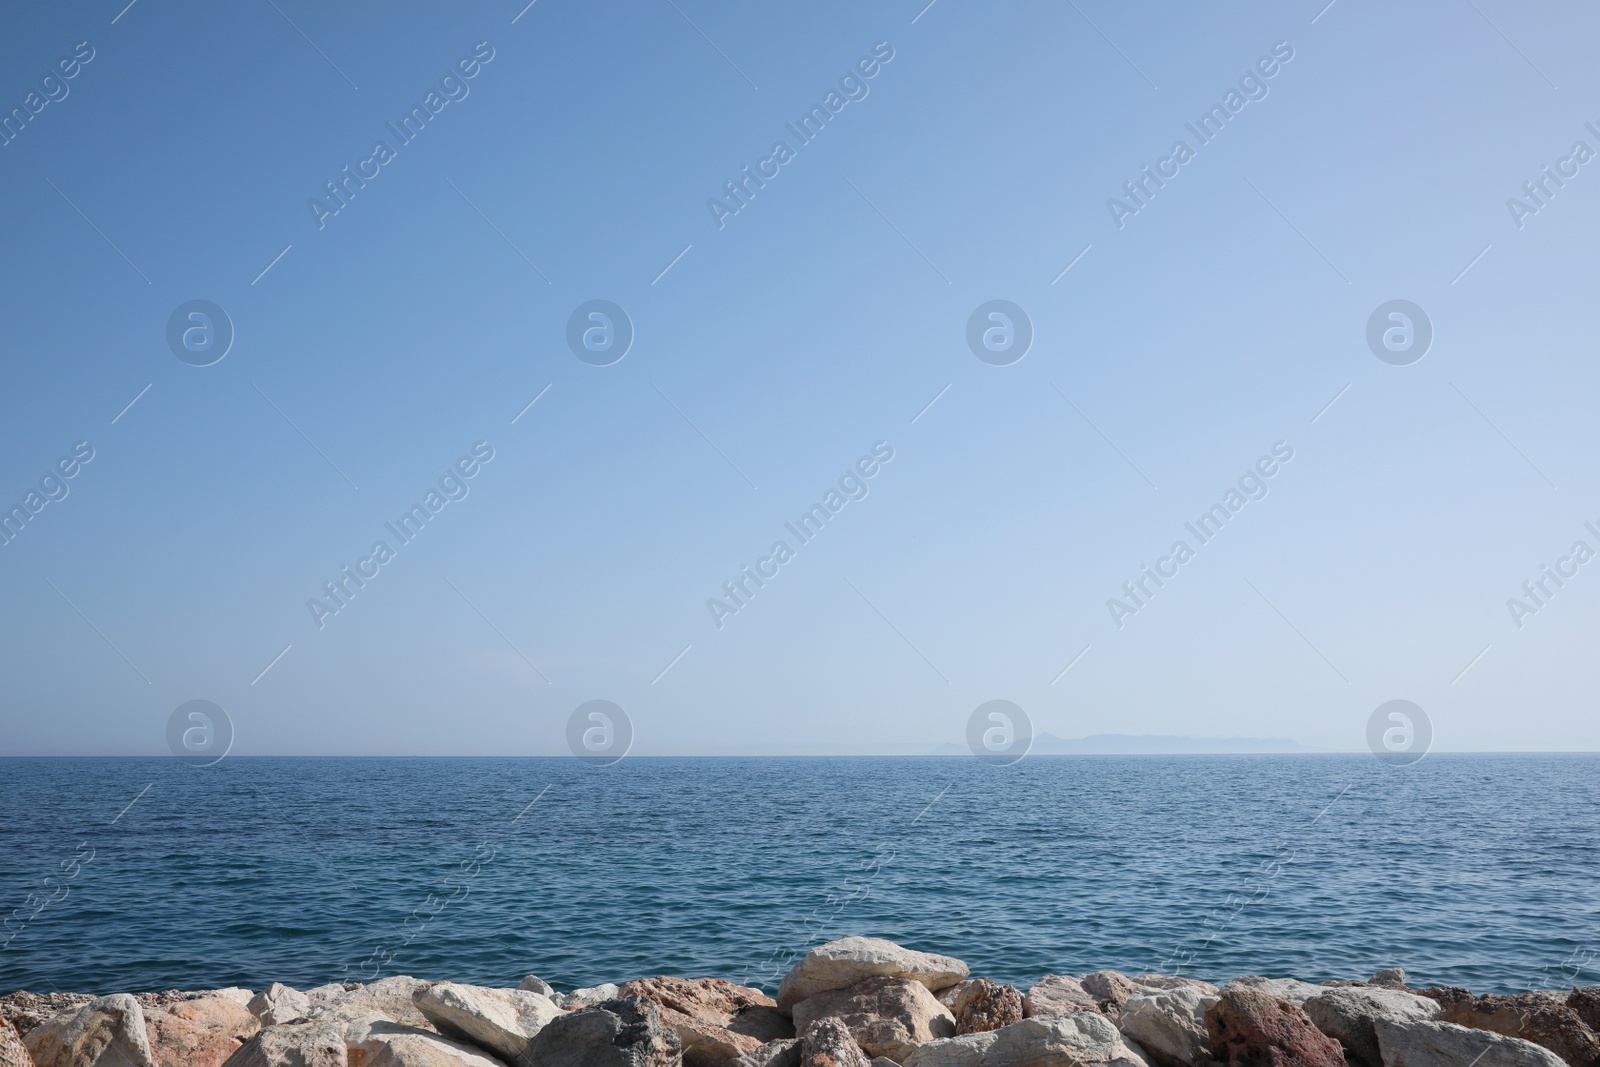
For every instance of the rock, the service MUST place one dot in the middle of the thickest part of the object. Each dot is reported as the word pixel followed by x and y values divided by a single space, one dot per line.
pixel 279 1003
pixel 1081 1039
pixel 1585 1000
pixel 886 1016
pixel 1435 1044
pixel 534 984
pixel 1169 981
pixel 883 1061
pixel 842 963
pixel 1293 990
pixel 202 1032
pixel 782 1053
pixel 13 1053
pixel 25 1010
pixel 1389 978
pixel 717 1021
pixel 1169 1024
pixel 827 1043
pixel 390 999
pixel 982 1004
pixel 1057 994
pixel 1538 1017
pixel 321 996
pixel 588 997
pixel 1347 1015
pixel 105 1032
pixel 395 1045
pixel 1250 1026
pixel 500 1021
pixel 1110 988
pixel 623 1032
pixel 293 1045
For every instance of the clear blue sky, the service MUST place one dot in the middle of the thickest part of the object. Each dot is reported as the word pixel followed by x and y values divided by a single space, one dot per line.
pixel 421 318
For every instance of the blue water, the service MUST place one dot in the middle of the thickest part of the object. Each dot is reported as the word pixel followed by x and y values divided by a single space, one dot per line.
pixel 1471 870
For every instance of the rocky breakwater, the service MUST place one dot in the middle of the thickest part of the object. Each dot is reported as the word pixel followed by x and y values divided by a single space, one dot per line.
pixel 855 1002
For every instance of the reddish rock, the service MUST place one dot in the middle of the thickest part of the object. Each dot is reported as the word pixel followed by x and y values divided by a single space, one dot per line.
pixel 827 1043
pixel 179 1042
pixel 982 1004
pixel 1249 1028
pixel 13 1053
pixel 1541 1018
pixel 716 1020
pixel 1586 1002
pixel 886 1016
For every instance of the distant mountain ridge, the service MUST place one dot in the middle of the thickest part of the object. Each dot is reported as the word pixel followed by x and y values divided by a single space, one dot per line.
pixel 1147 745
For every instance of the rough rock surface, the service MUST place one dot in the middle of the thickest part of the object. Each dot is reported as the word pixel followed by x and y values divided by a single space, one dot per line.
pixel 104 1032
pixel 1249 1026
pixel 827 1043
pixel 981 1004
pixel 1538 1017
pixel 1585 1000
pixel 716 1020
pixel 202 1032
pixel 534 984
pixel 1347 1015
pixel 588 997
pixel 1169 1024
pixel 500 1021
pixel 783 1053
pixel 1111 988
pixel 1389 978
pixel 293 1045
pixel 622 1032
pixel 1293 990
pixel 886 1016
pixel 1419 1044
pixel 389 999
pixel 279 1003
pixel 13 1053
pixel 1080 1039
pixel 394 1045
pixel 1057 994
pixel 842 963
pixel 1169 981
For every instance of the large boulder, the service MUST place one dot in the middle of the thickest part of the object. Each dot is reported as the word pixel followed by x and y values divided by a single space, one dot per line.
pixel 395 1045
pixel 716 1020
pixel 1293 990
pixel 13 1053
pixel 390 999
pixel 587 997
pixel 1057 994
pixel 842 963
pixel 1248 1026
pixel 1542 1018
pixel 279 1003
pixel 304 1044
pixel 105 1032
pixel 500 1021
pixel 982 1004
pixel 1347 1016
pixel 1081 1039
pixel 1435 1044
pixel 1169 1024
pixel 827 1043
pixel 886 1016
pixel 1111 988
pixel 534 984
pixel 1585 1000
pixel 1172 981
pixel 199 1032
pixel 623 1032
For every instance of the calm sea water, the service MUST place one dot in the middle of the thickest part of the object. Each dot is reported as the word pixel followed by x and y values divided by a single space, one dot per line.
pixel 1471 870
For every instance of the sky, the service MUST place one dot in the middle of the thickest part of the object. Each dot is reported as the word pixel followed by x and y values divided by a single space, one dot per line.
pixel 1185 338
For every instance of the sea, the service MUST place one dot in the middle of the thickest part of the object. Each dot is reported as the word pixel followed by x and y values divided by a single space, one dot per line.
pixel 147 874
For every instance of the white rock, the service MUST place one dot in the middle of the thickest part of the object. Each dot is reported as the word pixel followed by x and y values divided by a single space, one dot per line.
pixel 842 963
pixel 105 1032
pixel 279 1003
pixel 392 999
pixel 1419 1044
pixel 1347 1014
pixel 1293 990
pixel 1082 1039
pixel 589 996
pixel 501 1021
pixel 1057 994
pixel 404 1046
pixel 293 1045
pixel 238 994
pixel 1169 1025
pixel 534 984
